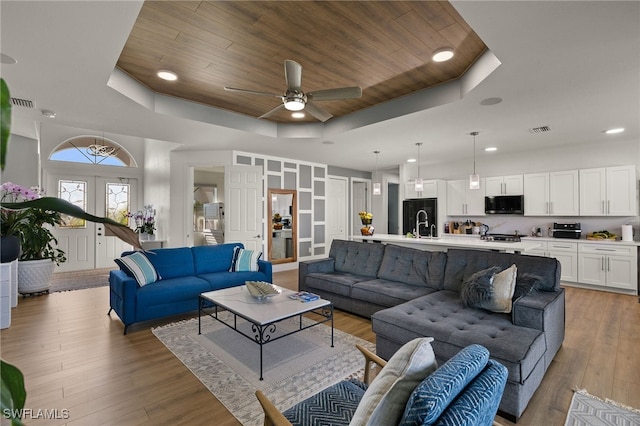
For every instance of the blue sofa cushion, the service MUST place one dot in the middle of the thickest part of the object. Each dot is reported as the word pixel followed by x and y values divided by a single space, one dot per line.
pixel 357 258
pixel 430 398
pixel 137 266
pixel 172 262
pixel 333 406
pixel 171 290
pixel 216 258
pixel 478 405
pixel 412 266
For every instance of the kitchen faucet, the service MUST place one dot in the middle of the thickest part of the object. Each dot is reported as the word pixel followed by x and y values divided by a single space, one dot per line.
pixel 418 223
pixel 432 230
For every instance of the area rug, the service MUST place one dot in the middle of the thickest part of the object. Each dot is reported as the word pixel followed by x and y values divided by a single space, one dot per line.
pixel 78 280
pixel 295 367
pixel 589 410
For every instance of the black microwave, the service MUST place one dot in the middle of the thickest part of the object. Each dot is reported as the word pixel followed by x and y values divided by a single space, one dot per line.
pixel 504 204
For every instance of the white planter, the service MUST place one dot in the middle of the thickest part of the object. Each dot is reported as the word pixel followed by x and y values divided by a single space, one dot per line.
pixel 34 276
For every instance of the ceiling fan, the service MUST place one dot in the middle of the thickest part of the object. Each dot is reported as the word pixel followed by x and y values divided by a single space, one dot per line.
pixel 294 99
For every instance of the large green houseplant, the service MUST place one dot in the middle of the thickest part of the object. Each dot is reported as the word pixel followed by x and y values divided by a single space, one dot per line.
pixel 48 209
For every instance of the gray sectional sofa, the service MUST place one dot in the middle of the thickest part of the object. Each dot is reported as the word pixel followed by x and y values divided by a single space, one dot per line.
pixel 410 293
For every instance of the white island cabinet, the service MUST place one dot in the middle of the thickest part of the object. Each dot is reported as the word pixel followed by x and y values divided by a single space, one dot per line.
pixel 608 265
pixel 565 252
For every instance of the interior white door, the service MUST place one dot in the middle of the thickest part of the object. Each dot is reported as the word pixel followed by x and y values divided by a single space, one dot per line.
pixel 243 206
pixel 76 238
pixel 359 203
pixel 114 199
pixel 337 212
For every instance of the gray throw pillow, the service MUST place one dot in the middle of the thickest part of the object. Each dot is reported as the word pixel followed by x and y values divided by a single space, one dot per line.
pixel 477 289
pixel 527 283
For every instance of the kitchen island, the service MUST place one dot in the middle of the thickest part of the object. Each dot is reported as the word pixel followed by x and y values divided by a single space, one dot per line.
pixel 447 242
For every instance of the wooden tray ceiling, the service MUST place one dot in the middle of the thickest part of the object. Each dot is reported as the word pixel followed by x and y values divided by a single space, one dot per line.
pixel 385 47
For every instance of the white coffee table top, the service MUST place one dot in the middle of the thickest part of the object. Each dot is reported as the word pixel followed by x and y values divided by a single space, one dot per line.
pixel 265 311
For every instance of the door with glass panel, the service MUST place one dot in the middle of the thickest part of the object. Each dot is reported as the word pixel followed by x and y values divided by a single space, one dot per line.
pixel 86 244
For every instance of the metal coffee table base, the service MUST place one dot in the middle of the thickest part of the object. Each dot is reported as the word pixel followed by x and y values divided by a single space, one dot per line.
pixel 262 333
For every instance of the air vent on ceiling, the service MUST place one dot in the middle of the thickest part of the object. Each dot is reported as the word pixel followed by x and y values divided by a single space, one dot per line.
pixel 25 103
pixel 541 129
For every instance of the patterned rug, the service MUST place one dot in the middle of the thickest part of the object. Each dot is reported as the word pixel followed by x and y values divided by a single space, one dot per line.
pixel 78 280
pixel 295 367
pixel 589 410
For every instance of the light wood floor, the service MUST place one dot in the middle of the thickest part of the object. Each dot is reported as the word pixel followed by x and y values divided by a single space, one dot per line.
pixel 75 357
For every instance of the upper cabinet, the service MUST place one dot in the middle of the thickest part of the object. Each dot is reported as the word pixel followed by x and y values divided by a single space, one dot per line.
pixel 432 188
pixel 464 201
pixel 608 191
pixel 551 194
pixel 504 185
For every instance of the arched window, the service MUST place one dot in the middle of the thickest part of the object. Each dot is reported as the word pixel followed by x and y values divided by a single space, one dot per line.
pixel 93 150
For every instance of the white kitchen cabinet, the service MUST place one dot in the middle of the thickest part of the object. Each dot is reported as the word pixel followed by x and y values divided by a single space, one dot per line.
pixel 504 185
pixel 429 189
pixel 462 201
pixel 608 265
pixel 551 194
pixel 608 191
pixel 565 252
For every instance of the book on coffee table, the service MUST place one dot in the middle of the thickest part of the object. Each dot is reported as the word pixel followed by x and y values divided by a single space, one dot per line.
pixel 304 296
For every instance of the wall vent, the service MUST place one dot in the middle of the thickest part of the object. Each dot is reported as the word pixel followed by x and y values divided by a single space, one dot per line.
pixel 541 129
pixel 25 103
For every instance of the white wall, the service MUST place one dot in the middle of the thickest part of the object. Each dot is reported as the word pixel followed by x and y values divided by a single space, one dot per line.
pixel 22 152
pixel 157 183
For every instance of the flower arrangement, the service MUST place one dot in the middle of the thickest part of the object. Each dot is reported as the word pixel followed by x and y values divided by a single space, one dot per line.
pixel 145 220
pixel 12 193
pixel 366 218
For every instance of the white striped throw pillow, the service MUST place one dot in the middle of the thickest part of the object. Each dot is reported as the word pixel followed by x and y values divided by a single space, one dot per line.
pixel 137 266
pixel 244 260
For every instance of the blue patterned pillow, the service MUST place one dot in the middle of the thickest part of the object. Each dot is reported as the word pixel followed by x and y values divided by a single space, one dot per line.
pixel 136 265
pixel 430 398
pixel 244 260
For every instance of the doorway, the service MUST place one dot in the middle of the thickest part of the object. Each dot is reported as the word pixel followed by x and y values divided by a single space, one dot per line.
pixel 360 201
pixel 393 208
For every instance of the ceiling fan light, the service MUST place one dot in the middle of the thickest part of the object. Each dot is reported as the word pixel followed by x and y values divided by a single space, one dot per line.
pixel 297 114
pixel 442 55
pixel 294 104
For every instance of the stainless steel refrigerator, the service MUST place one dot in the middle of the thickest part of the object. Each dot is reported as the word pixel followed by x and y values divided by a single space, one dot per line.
pixel 410 209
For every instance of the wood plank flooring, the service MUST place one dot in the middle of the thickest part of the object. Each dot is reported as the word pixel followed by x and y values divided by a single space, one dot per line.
pixel 76 358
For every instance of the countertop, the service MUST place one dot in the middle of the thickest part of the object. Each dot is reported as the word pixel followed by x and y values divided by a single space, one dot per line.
pixel 470 241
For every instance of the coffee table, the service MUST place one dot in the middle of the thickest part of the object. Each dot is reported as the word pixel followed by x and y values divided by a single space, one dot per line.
pixel 263 314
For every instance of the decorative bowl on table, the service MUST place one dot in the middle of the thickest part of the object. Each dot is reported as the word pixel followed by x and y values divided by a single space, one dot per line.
pixel 261 289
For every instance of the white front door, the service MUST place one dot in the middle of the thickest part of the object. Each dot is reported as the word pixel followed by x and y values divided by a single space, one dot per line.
pixel 86 244
pixel 337 212
pixel 243 206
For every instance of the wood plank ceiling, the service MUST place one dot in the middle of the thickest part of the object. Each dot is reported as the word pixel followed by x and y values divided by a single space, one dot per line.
pixel 385 47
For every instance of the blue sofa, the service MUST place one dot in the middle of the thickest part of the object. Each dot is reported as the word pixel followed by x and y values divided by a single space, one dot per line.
pixel 184 272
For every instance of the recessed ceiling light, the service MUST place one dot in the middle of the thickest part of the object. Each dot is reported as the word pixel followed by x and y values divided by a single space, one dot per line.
pixel 442 55
pixel 614 131
pixel 6 59
pixel 491 149
pixel 298 114
pixel 411 160
pixel 48 113
pixel 167 75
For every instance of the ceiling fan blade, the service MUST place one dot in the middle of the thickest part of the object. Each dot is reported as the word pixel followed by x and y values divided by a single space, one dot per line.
pixel 337 93
pixel 273 111
pixel 317 112
pixel 251 92
pixel 293 74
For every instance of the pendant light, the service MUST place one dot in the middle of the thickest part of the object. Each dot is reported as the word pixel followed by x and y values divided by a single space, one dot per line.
pixel 377 188
pixel 419 183
pixel 474 179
